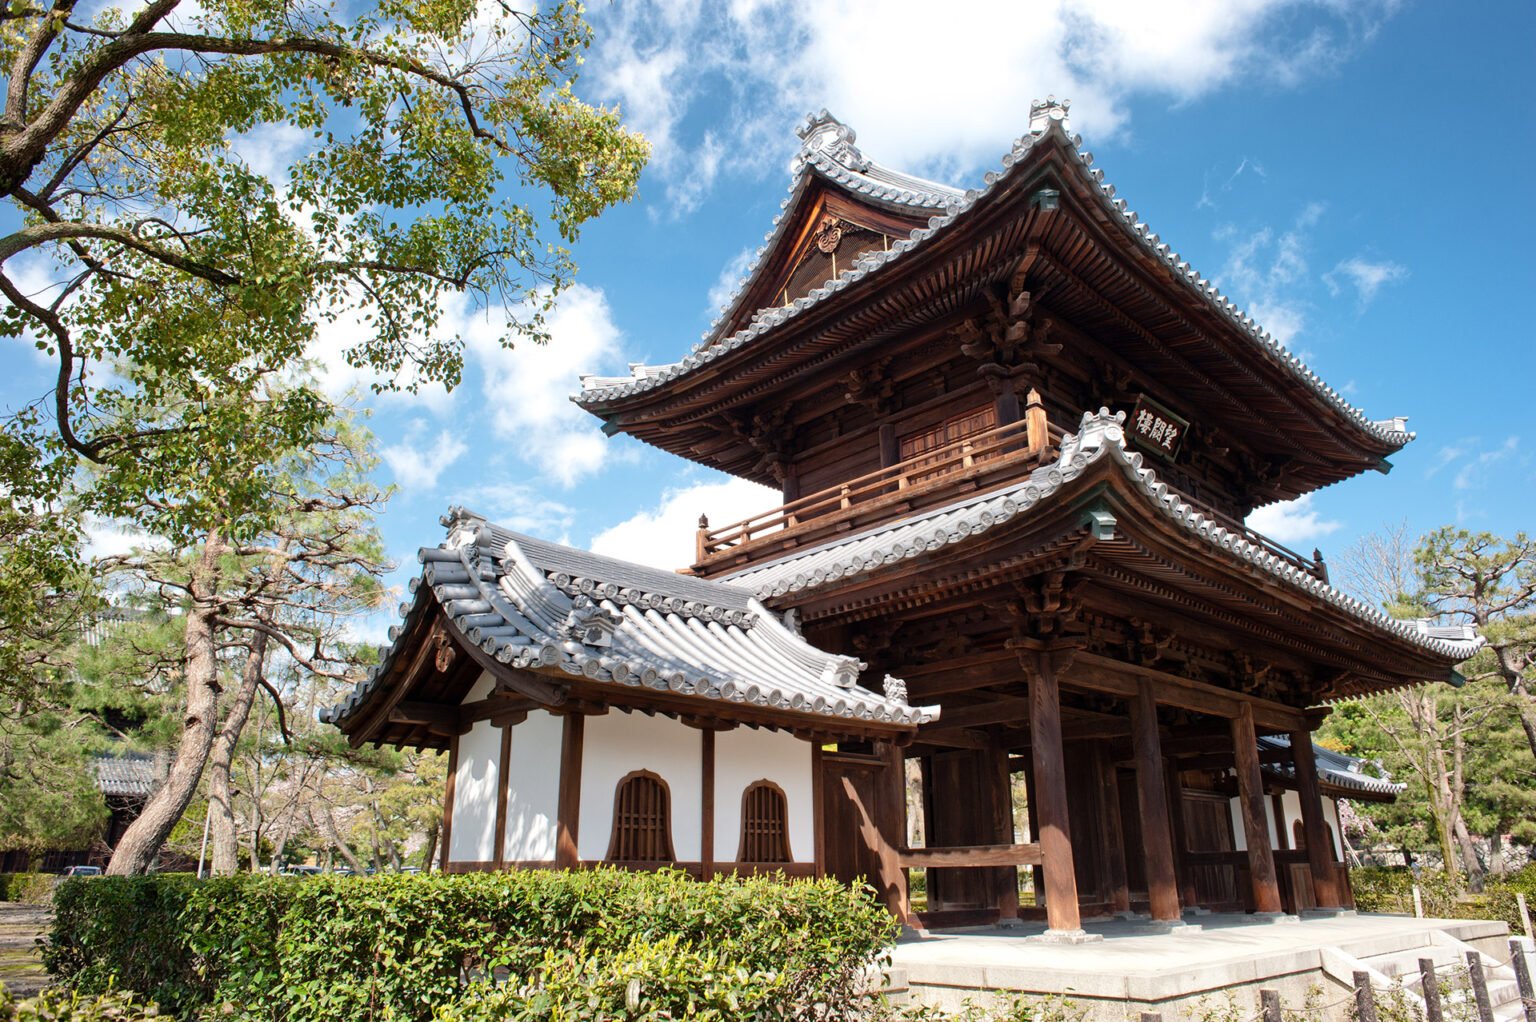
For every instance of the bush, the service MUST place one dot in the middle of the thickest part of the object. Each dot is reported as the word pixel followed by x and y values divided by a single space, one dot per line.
pixel 59 1005
pixel 32 888
pixel 403 947
pixel 1388 889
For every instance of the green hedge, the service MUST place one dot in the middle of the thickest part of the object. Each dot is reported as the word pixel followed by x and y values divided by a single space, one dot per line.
pixel 60 1005
pixel 1390 889
pixel 33 888
pixel 409 947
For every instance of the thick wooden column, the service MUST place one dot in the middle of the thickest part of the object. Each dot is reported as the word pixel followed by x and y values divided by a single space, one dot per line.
pixel 1156 828
pixel 1313 827
pixel 1250 788
pixel 707 808
pixel 569 806
pixel 1190 895
pixel 891 810
pixel 1061 910
pixel 1117 891
pixel 1007 877
pixel 503 782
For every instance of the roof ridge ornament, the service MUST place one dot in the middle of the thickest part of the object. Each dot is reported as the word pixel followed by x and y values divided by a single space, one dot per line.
pixel 823 133
pixel 1043 111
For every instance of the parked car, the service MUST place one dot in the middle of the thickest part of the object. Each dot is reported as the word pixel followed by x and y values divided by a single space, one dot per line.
pixel 300 871
pixel 82 871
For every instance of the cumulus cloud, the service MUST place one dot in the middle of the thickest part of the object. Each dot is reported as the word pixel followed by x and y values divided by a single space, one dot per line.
pixel 1366 276
pixel 418 466
pixel 1264 267
pixel 771 61
pixel 519 507
pixel 730 276
pixel 663 536
pixel 1292 522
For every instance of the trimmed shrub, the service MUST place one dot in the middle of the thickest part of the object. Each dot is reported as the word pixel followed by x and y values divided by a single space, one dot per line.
pixel 1390 889
pixel 404 947
pixel 32 888
pixel 60 1005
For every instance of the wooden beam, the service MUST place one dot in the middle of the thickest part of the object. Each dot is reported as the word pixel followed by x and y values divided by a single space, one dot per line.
pixel 568 813
pixel 503 782
pixel 1313 828
pixel 436 717
pixel 1003 710
pixel 1152 796
pixel 1051 787
pixel 1250 784
pixel 1106 674
pixel 975 855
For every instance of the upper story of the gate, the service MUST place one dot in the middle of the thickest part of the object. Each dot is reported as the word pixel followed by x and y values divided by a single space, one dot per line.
pixel 899 343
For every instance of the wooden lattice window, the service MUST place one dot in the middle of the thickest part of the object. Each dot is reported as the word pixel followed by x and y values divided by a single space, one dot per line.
pixel 642 820
pixel 764 824
pixel 927 446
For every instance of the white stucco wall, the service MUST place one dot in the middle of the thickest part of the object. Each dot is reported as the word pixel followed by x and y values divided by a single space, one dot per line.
pixel 475 784
pixel 746 755
pixel 1331 817
pixel 1291 803
pixel 1239 834
pixel 618 743
pixel 533 788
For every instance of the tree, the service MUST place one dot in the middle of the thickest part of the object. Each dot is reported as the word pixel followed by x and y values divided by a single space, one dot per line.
pixel 447 156
pixel 248 596
pixel 1490 582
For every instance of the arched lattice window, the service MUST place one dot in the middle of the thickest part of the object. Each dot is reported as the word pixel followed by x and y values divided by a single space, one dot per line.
pixel 642 820
pixel 764 824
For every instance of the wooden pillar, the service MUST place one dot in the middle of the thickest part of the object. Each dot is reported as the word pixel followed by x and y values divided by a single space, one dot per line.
pixel 1250 788
pixel 1031 813
pixel 503 782
pixel 1007 877
pixel 1156 832
pixel 1314 828
pixel 1036 423
pixel 891 810
pixel 569 809
pixel 1117 891
pixel 890 449
pixel 448 789
pixel 1190 895
pixel 1061 910
pixel 707 809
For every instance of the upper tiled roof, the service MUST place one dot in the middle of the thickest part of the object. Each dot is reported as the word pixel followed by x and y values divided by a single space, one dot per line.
pixel 537 605
pixel 126 776
pixel 1333 768
pixel 827 151
pixel 1100 436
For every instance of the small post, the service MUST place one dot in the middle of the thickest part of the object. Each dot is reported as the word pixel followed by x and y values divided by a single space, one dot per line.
pixel 1269 1004
pixel 1035 423
pixel 1365 998
pixel 701 540
pixel 1151 1016
pixel 1479 986
pixel 1525 914
pixel 1429 985
pixel 1418 902
pixel 1523 978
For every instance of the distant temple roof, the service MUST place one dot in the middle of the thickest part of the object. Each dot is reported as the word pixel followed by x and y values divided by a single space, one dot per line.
pixel 1099 436
pixel 126 776
pixel 828 153
pixel 534 605
pixel 1335 768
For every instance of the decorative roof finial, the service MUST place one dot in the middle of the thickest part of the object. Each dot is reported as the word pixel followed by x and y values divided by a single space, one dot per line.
pixel 826 134
pixel 1043 112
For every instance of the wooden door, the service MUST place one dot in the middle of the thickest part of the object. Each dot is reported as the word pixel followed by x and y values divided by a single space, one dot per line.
pixel 848 855
pixel 960 814
pixel 1208 828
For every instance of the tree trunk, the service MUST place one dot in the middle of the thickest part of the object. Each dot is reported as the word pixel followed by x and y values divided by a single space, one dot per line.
pixel 1524 704
pixel 141 842
pixel 221 835
pixel 431 850
pixel 1469 859
pixel 327 826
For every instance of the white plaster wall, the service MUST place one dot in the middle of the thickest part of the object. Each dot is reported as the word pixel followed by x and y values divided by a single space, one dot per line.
pixel 475 783
pixel 1290 802
pixel 1239 834
pixel 746 755
pixel 533 788
pixel 1269 819
pixel 1331 817
pixel 618 743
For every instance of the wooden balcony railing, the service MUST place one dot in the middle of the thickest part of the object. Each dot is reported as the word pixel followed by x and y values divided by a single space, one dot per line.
pixel 965 465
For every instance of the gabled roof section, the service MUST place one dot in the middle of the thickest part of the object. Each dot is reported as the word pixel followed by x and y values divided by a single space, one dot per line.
pixel 828 154
pixel 1100 437
pixel 1335 769
pixel 537 606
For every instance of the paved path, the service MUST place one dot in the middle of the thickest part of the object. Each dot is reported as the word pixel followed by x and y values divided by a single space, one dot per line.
pixel 21 970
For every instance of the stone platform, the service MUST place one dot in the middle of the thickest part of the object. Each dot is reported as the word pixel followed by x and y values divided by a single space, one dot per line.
pixel 1136 967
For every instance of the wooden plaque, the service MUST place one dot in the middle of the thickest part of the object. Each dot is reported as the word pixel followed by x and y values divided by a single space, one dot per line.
pixel 1156 429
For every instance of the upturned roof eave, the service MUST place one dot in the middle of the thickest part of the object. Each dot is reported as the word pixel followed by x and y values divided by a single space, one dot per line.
pixel 609 396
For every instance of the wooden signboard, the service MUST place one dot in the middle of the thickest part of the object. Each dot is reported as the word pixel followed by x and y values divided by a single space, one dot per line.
pixel 1156 429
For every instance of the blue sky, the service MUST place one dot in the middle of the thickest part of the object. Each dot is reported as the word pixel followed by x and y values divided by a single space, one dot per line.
pixel 1355 173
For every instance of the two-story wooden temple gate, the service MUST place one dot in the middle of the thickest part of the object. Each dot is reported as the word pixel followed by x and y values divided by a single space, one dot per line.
pixel 1016 437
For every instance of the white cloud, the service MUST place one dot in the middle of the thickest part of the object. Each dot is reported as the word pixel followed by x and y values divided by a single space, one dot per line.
pixel 730 276
pixel 1366 276
pixel 664 535
pixel 771 61
pixel 1473 472
pixel 527 388
pixel 519 508
pixel 1264 268
pixel 1292 521
pixel 418 467
pixel 105 537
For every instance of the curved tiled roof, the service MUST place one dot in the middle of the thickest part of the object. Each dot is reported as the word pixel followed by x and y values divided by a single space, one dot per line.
pixel 127 776
pixel 1333 768
pixel 828 152
pixel 536 605
pixel 1100 436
